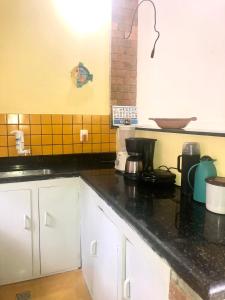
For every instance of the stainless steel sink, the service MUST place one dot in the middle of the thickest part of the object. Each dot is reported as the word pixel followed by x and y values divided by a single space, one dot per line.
pixel 38 172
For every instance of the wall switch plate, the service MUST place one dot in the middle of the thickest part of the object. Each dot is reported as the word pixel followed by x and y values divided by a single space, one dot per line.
pixel 124 115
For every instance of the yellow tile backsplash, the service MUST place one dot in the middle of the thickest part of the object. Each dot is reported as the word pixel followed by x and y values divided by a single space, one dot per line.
pixel 56 134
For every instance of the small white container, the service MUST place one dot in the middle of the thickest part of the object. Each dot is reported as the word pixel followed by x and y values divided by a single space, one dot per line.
pixel 215 194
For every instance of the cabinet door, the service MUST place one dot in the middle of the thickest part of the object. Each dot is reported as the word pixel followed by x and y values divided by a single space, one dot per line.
pixel 15 235
pixel 59 228
pixel 89 229
pixel 146 276
pixel 100 242
pixel 106 269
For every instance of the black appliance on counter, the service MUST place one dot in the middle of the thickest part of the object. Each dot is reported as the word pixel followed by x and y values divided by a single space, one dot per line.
pixel 139 164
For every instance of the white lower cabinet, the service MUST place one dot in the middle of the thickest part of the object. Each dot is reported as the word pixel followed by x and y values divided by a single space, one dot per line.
pixel 100 248
pixel 39 228
pixel 147 277
pixel 117 264
pixel 59 228
pixel 15 235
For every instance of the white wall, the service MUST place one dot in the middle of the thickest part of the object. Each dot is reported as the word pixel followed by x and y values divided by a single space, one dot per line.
pixel 187 76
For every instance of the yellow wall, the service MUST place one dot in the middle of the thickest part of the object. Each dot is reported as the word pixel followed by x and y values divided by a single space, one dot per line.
pixel 169 146
pixel 37 53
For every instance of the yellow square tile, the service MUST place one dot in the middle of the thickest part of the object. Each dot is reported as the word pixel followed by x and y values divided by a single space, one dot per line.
pixel 67 139
pixel 76 139
pixel 24 119
pixel 96 138
pixel 77 119
pixel 112 138
pixel 46 119
pixel 57 149
pixel 105 138
pixel 67 129
pixel 46 139
pixel 36 140
pixel 57 129
pixel 11 128
pixel 77 148
pixel 105 120
pixel 112 130
pixel 87 148
pixel 95 119
pixel 27 140
pixel 11 140
pixel 87 127
pixel 35 129
pixel 25 128
pixel 57 139
pixel 96 148
pixel 105 129
pixel 46 129
pixel 67 119
pixel 3 141
pixel 47 150
pixel 3 129
pixel 96 128
pixel 112 147
pixel 67 149
pixel 12 151
pixel 36 150
pixel 12 118
pixel 35 119
pixel 3 151
pixel 3 119
pixel 77 129
pixel 86 119
pixel 56 119
pixel 105 147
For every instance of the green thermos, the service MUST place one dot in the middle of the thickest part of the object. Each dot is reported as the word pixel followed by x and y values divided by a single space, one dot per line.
pixel 205 169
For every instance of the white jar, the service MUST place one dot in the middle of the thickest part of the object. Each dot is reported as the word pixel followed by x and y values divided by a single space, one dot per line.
pixel 215 194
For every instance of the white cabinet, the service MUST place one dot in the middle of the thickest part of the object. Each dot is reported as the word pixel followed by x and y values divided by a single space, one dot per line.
pixel 116 261
pixel 147 276
pixel 59 228
pixel 100 247
pixel 15 235
pixel 107 259
pixel 39 228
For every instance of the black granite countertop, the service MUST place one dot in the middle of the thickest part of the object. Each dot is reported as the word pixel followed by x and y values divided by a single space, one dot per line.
pixel 57 165
pixel 189 237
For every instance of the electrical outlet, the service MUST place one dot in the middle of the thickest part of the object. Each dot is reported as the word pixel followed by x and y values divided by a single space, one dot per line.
pixel 83 135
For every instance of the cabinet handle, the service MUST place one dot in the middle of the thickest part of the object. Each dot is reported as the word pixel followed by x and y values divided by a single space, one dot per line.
pixel 27 223
pixel 126 289
pixel 46 219
pixel 93 248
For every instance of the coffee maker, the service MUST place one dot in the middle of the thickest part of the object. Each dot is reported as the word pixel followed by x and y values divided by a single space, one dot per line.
pixel 139 164
pixel 140 159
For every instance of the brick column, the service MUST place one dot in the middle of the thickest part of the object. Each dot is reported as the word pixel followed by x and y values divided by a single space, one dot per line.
pixel 123 53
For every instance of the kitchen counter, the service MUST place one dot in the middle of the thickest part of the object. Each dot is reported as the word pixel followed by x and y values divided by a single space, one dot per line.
pixel 58 165
pixel 189 237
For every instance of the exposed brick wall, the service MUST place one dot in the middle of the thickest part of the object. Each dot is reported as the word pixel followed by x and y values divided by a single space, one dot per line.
pixel 123 53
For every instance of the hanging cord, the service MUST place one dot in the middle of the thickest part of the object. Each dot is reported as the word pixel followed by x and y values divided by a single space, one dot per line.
pixel 155 17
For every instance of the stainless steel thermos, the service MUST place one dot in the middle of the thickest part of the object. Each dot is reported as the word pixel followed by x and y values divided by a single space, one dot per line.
pixel 190 156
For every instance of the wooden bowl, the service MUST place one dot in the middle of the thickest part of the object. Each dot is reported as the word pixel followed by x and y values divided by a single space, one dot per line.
pixel 172 123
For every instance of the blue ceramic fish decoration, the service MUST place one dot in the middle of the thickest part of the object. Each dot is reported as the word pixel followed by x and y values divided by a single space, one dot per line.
pixel 81 75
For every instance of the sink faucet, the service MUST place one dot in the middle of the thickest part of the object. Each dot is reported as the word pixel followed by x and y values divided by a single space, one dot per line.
pixel 20 143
